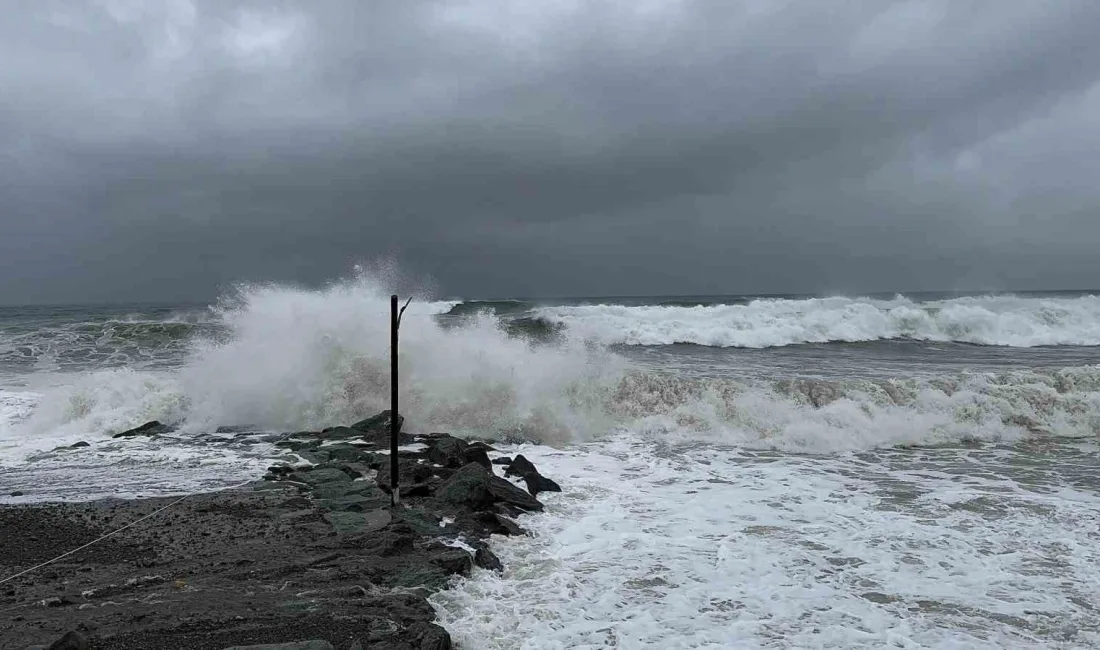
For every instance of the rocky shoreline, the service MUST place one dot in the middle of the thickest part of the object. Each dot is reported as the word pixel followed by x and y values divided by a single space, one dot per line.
pixel 312 557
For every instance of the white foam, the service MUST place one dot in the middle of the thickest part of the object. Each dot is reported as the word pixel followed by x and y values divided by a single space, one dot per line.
pixel 994 320
pixel 714 548
pixel 293 359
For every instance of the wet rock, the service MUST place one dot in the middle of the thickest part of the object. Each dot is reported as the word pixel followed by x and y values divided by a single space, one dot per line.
pixel 538 483
pixel 496 524
pixel 448 452
pixel 317 644
pixel 520 467
pixel 362 522
pixel 486 559
pixel 475 488
pixel 503 460
pixel 454 561
pixel 430 636
pixel 71 641
pixel 318 476
pixel 78 445
pixel 378 425
pixel 340 433
pixel 348 452
pixel 409 472
pixel 478 455
pixel 17 493
pixel 419 490
pixel 153 428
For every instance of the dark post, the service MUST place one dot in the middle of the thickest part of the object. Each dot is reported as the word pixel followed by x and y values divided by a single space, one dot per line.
pixel 395 496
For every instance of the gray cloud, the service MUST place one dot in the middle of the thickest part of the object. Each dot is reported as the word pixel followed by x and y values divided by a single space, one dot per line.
pixel 164 150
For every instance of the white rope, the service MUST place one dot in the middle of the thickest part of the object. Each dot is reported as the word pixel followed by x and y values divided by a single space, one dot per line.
pixel 114 532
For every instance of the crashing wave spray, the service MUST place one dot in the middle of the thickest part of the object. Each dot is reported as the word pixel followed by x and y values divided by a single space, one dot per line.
pixel 296 358
pixel 291 358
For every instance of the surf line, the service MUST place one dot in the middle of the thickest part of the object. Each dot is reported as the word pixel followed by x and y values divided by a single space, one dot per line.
pixel 113 532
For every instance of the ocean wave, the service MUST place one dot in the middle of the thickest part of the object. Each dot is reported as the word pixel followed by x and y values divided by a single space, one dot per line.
pixel 990 320
pixel 294 359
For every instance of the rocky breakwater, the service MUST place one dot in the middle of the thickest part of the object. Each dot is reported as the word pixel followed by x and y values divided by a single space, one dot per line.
pixel 311 557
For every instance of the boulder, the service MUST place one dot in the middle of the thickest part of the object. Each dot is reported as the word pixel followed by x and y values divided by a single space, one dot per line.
pixel 538 483
pixel 454 561
pixel 378 424
pixel 498 524
pixel 316 644
pixel 520 467
pixel 526 470
pixel 320 475
pixel 503 460
pixel 486 559
pixel 477 454
pixel 475 488
pixel 341 433
pixel 71 641
pixel 78 445
pixel 409 473
pixel 429 636
pixel 447 451
pixel 153 428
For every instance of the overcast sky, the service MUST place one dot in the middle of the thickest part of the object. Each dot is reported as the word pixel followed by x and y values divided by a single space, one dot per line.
pixel 164 149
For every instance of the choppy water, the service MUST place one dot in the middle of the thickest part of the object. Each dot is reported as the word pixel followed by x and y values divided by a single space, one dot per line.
pixel 886 471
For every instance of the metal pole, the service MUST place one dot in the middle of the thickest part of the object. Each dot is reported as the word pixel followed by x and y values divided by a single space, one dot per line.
pixel 395 496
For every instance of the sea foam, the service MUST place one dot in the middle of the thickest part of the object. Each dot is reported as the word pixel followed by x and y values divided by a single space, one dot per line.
pixel 990 320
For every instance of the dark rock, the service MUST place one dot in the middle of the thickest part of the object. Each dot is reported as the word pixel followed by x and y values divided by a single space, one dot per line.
pixel 454 561
pixel 71 641
pixel 348 452
pixel 399 606
pixel 418 490
pixel 477 444
pixel 378 424
pixel 362 522
pixel 503 460
pixel 430 636
pixel 317 476
pixel 395 539
pixel 153 428
pixel 317 644
pixel 508 510
pixel 486 559
pixel 538 483
pixel 475 488
pixel 520 467
pixel 479 456
pixel 448 452
pixel 17 493
pixel 409 472
pixel 78 445
pixel 496 524
pixel 341 433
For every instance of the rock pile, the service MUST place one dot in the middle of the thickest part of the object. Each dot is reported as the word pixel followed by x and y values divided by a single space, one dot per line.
pixel 313 556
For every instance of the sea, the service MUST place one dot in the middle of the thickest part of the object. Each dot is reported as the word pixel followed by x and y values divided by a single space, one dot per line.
pixel 862 471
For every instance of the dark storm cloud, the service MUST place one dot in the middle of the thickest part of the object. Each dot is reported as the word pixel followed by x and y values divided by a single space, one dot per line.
pixel 165 149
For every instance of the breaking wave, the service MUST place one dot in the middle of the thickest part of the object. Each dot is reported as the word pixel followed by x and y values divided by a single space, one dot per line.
pixel 287 359
pixel 989 320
